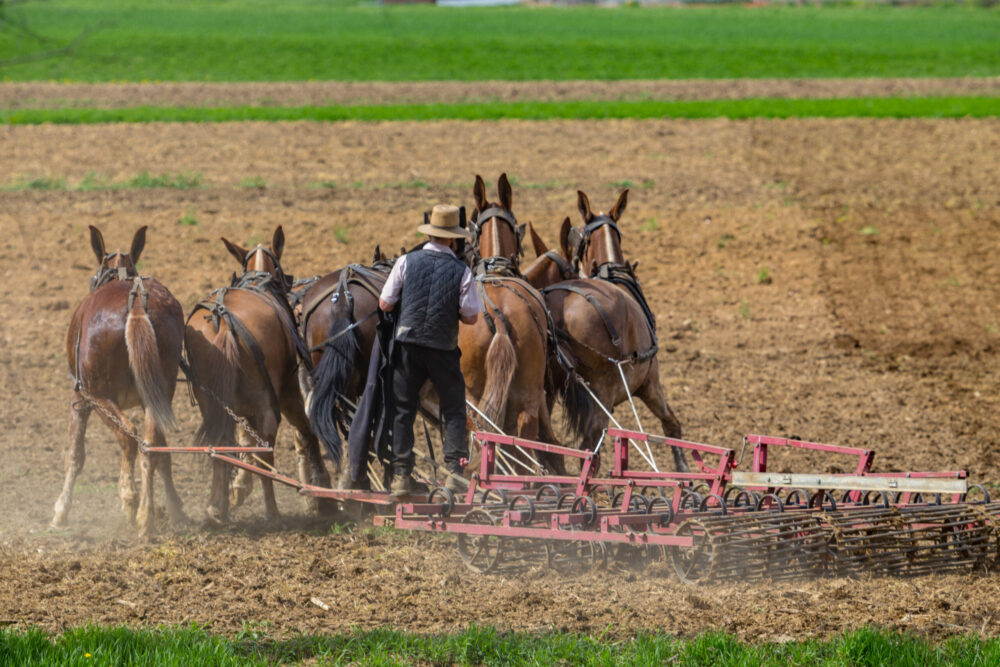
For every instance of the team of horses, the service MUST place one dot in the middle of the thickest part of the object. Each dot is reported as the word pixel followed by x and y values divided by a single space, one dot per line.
pixel 574 323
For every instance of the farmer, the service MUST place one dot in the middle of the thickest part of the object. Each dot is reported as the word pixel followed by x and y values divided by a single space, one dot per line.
pixel 436 290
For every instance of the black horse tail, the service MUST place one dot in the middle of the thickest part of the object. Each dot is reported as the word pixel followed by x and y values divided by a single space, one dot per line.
pixel 579 406
pixel 331 377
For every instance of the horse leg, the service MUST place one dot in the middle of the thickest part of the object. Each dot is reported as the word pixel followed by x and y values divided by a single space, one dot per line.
pixel 112 416
pixel 547 434
pixel 243 481
pixel 79 413
pixel 651 393
pixel 146 515
pixel 217 511
pixel 175 507
pixel 310 460
pixel 269 431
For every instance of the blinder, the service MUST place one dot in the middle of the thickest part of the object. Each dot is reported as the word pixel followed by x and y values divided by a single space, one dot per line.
pixel 579 240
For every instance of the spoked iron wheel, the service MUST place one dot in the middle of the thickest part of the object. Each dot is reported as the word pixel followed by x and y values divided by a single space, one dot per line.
pixel 582 556
pixel 480 553
pixel 694 563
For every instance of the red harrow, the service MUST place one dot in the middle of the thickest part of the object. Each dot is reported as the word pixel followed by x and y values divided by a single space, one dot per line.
pixel 714 524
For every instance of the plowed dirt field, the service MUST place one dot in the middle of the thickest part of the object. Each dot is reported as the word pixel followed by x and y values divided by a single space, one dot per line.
pixel 833 280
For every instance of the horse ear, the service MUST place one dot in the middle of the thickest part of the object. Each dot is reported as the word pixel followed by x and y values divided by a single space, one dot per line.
pixel 619 206
pixel 239 253
pixel 97 243
pixel 479 192
pixel 564 238
pixel 506 195
pixel 377 254
pixel 536 241
pixel 583 204
pixel 138 243
pixel 278 242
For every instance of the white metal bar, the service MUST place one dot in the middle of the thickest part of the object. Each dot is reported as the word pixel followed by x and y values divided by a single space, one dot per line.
pixel 851 482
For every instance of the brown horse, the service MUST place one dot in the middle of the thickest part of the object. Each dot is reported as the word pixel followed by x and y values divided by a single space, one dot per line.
pixel 124 348
pixel 505 354
pixel 605 323
pixel 337 323
pixel 243 350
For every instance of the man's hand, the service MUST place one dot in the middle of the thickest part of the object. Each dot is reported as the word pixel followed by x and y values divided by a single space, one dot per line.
pixel 387 307
pixel 471 319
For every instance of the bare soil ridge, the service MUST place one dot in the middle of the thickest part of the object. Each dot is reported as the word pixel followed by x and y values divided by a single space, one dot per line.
pixel 320 93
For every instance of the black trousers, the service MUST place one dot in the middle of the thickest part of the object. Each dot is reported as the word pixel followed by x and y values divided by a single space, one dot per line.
pixel 415 365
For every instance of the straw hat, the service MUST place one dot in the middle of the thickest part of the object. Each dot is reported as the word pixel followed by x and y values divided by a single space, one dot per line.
pixel 444 223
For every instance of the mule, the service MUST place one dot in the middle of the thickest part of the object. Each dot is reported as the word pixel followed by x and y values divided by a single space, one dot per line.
pixel 243 351
pixel 337 324
pixel 124 349
pixel 505 353
pixel 605 324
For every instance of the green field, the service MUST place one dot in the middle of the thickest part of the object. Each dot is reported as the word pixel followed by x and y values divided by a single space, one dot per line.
pixel 257 40
pixel 931 107
pixel 254 646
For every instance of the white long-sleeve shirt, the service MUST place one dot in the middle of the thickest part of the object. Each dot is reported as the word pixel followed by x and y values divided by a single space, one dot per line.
pixel 468 298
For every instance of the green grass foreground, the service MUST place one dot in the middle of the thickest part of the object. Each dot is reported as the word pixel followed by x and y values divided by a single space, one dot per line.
pixel 195 646
pixel 873 107
pixel 359 40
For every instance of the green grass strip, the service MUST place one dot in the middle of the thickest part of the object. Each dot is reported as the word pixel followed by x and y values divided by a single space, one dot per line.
pixel 92 645
pixel 351 40
pixel 913 107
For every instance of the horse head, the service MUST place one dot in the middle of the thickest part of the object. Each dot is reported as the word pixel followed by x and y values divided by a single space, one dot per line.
pixel 598 241
pixel 496 230
pixel 115 265
pixel 262 259
pixel 550 266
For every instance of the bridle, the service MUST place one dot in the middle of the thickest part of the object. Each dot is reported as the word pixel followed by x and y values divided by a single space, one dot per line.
pixel 283 280
pixel 498 264
pixel 579 240
pixel 106 274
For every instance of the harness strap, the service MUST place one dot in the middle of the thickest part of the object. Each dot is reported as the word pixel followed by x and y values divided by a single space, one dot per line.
pixel 266 286
pixel 138 287
pixel 218 311
pixel 612 331
pixel 359 275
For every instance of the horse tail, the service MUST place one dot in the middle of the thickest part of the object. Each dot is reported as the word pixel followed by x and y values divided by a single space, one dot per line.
pixel 220 382
pixel 144 361
pixel 330 378
pixel 579 405
pixel 501 362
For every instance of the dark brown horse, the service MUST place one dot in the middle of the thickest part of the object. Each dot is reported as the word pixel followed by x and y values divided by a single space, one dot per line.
pixel 243 349
pixel 124 348
pixel 605 323
pixel 505 354
pixel 337 323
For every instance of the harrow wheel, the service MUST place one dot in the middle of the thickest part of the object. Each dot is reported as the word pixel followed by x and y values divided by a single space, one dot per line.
pixel 579 556
pixel 443 496
pixel 480 553
pixel 694 563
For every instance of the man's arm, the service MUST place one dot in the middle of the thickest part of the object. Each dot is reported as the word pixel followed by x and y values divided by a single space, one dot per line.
pixel 468 299
pixel 393 286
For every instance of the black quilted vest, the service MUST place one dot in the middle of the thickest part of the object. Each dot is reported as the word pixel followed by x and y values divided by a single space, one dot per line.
pixel 430 297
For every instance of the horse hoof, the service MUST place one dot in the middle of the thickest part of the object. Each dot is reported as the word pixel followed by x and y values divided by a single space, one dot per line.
pixel 214 518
